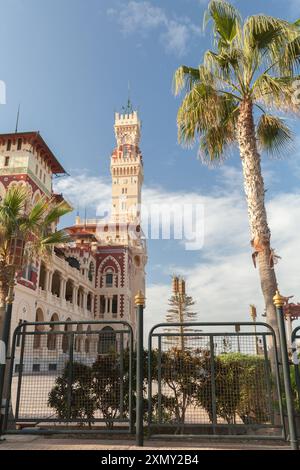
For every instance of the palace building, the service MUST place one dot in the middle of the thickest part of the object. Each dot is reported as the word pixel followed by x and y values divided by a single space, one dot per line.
pixel 98 274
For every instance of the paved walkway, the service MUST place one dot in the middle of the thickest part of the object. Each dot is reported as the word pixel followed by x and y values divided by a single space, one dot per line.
pixel 54 443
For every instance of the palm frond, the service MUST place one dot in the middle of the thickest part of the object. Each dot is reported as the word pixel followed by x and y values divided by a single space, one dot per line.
pixel 55 212
pixel 276 92
pixel 56 238
pixel 289 58
pixel 273 135
pixel 201 109
pixel 226 21
pixel 34 219
pixel 14 202
pixel 185 77
pixel 224 65
pixel 263 32
pixel 215 144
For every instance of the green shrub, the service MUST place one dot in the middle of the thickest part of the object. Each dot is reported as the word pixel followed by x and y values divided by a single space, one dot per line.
pixel 240 387
pixel 80 403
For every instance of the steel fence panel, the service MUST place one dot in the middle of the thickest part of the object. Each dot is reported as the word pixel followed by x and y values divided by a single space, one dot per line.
pixel 68 376
pixel 214 381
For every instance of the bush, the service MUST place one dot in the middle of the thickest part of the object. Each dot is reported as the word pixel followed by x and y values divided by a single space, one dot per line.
pixel 80 403
pixel 240 384
pixel 186 381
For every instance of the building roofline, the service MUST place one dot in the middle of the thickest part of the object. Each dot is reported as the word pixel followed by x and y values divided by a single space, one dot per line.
pixel 36 138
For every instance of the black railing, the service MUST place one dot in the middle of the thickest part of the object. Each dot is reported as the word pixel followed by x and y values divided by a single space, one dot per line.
pixel 71 376
pixel 207 380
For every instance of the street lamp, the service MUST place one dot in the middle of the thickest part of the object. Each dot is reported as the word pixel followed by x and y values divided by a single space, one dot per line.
pixel 253 314
pixel 14 263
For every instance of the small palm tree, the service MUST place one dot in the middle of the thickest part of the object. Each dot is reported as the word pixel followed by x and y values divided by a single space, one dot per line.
pixel 34 230
pixel 230 98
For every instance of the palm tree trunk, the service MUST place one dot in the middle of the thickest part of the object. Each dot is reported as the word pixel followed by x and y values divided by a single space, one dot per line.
pixel 255 194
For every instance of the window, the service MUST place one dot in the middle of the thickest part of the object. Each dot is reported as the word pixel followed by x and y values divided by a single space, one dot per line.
pixel 91 272
pixel 44 178
pixel 6 161
pixel 8 146
pixel 40 174
pixel 19 144
pixel 27 272
pixel 102 305
pixel 36 368
pixel 107 341
pixel 52 367
pixel 109 279
pixel 115 305
pixel 36 169
pixel 17 368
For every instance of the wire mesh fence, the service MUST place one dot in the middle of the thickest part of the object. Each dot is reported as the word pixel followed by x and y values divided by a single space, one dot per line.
pixel 72 375
pixel 214 381
pixel 296 366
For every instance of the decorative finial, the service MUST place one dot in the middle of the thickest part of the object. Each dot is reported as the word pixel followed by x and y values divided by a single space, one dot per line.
pixel 128 109
pixel 278 299
pixel 139 299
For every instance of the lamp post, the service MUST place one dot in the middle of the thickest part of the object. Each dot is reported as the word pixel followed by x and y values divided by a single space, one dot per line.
pixel 279 301
pixel 140 304
pixel 253 314
pixel 15 262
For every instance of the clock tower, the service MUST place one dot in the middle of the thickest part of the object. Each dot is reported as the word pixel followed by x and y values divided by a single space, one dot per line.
pixel 127 168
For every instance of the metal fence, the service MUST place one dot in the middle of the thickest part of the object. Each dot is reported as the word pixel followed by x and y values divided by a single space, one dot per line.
pixel 71 377
pixel 296 357
pixel 219 379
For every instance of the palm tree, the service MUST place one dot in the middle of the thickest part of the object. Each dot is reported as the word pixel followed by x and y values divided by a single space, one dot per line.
pixel 33 229
pixel 230 99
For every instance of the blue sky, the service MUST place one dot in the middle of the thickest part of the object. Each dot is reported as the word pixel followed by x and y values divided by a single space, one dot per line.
pixel 68 62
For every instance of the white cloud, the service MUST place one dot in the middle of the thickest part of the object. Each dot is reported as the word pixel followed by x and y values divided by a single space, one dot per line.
pixel 86 191
pixel 142 17
pixel 223 281
pixel 138 16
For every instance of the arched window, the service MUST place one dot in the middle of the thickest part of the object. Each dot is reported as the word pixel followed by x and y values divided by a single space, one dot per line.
pixel 89 302
pixel 52 337
pixel 69 291
pixel 78 339
pixel 80 297
pixel 88 339
pixel 107 341
pixel 109 278
pixel 66 336
pixel 56 279
pixel 37 339
pixel 109 272
pixel 91 271
pixel 42 279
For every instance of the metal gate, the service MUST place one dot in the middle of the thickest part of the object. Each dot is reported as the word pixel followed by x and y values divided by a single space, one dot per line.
pixel 295 349
pixel 71 377
pixel 214 379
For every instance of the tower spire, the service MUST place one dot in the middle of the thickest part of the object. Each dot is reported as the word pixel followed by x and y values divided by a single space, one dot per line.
pixel 128 109
pixel 17 121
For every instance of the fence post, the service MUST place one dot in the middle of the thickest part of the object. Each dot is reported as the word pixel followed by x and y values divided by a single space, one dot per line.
pixel 139 303
pixel 4 367
pixel 279 302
